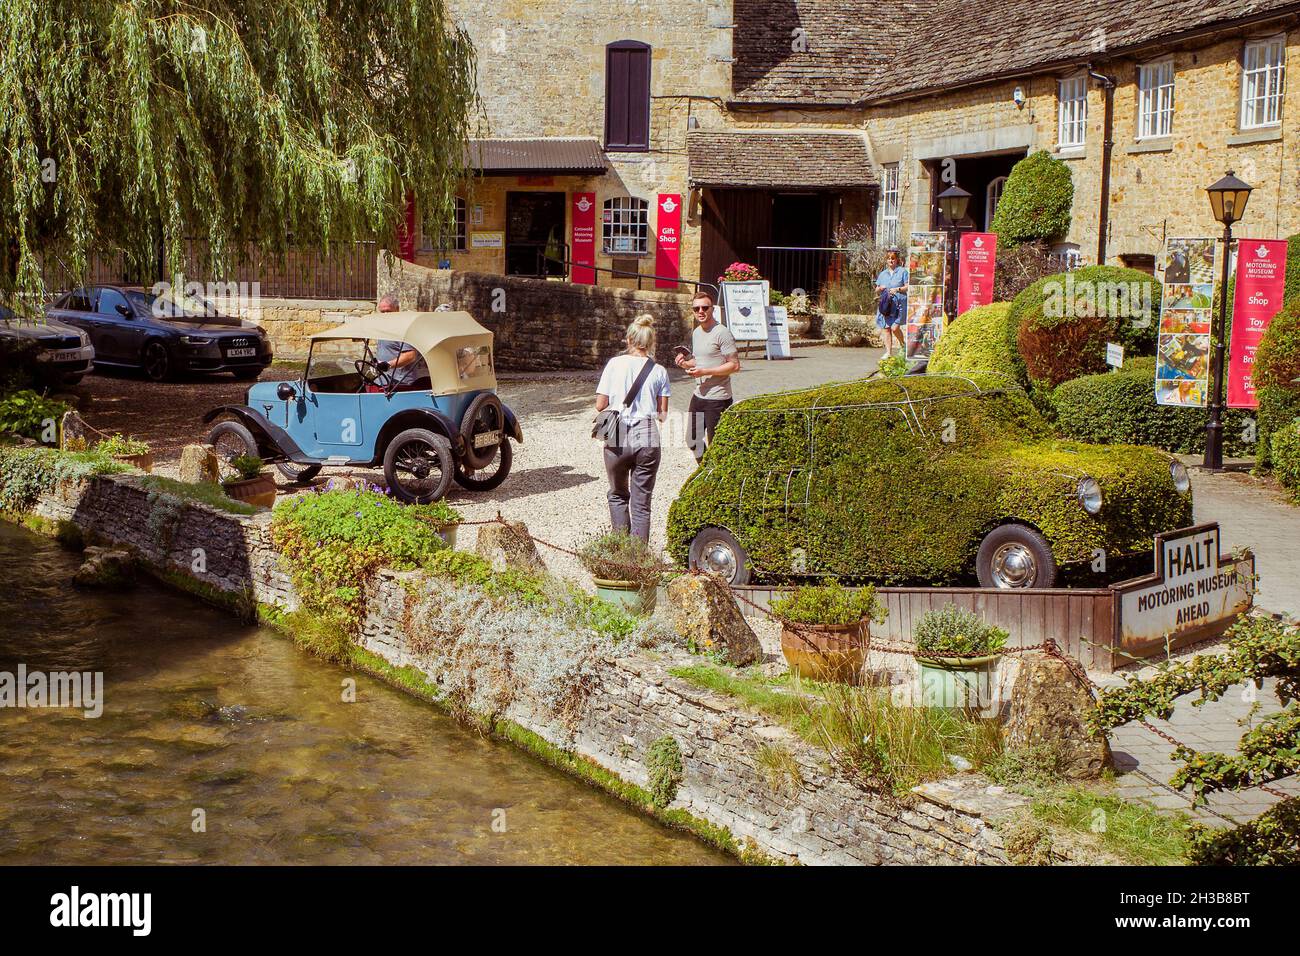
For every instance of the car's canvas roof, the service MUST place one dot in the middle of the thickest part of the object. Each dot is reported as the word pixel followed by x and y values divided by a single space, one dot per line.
pixel 424 331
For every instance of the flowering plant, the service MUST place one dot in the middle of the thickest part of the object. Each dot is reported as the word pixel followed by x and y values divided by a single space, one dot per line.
pixel 740 272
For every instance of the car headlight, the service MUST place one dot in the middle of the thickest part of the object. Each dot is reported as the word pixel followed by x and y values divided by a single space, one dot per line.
pixel 1182 479
pixel 1089 495
pixel 196 340
pixel 85 339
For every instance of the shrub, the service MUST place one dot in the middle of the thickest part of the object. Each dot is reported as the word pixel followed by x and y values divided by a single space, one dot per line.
pixel 28 473
pixel 829 604
pixel 1063 322
pixel 1277 365
pixel 955 631
pixel 853 293
pixel 851 330
pixel 247 467
pixel 981 340
pixel 119 445
pixel 618 556
pixel 740 272
pixel 1019 267
pixel 1036 201
pixel 28 414
pixel 663 761
pixel 1271 839
pixel 1286 457
pixel 1291 289
pixel 892 366
pixel 1120 408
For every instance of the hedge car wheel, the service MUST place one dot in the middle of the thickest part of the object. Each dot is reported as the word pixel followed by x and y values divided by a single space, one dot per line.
pixel 419 466
pixel 717 550
pixel 231 439
pixel 297 473
pixel 1013 557
pixel 489 476
pixel 155 362
pixel 485 414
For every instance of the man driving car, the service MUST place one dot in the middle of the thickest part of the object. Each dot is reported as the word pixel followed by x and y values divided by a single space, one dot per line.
pixel 404 367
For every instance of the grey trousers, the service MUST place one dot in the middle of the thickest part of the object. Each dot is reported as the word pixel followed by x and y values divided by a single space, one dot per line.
pixel 632 470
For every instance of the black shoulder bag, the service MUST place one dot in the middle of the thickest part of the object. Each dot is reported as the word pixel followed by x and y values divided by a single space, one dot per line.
pixel 608 423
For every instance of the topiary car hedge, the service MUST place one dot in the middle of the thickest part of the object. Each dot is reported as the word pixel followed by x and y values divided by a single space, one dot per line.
pixel 982 339
pixel 921 479
pixel 1276 375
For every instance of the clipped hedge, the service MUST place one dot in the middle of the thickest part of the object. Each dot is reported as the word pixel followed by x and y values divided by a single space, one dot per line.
pixel 1120 408
pixel 1036 201
pixel 1277 365
pixel 1063 322
pixel 1286 457
pixel 981 340
pixel 890 501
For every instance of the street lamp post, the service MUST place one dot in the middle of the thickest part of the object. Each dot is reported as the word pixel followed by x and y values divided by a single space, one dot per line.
pixel 1228 199
pixel 953 203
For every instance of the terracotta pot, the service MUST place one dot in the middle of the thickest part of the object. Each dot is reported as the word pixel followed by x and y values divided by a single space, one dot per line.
pixel 259 491
pixel 831 652
pixel 144 461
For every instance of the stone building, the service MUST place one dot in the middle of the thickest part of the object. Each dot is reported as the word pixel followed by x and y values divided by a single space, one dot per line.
pixel 713 130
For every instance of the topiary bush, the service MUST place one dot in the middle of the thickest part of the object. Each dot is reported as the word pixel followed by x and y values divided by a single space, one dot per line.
pixel 1120 408
pixel 1036 201
pixel 1277 366
pixel 982 339
pixel 1063 322
pixel 1286 457
pixel 1292 287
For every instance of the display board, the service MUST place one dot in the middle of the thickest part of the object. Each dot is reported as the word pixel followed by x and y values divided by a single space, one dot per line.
pixel 976 267
pixel 744 308
pixel 1261 282
pixel 927 273
pixel 778 332
pixel 1186 311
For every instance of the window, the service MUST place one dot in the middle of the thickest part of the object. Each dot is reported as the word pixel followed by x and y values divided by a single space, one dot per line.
pixel 1072 111
pixel 887 216
pixel 456 241
pixel 1263 75
pixel 109 301
pixel 1156 99
pixel 992 196
pixel 625 224
pixel 82 300
pixel 627 95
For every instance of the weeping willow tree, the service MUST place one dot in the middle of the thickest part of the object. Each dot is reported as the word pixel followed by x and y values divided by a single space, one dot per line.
pixel 128 125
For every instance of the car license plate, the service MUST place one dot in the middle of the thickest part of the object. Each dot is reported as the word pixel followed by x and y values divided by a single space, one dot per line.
pixel 241 353
pixel 66 355
pixel 487 439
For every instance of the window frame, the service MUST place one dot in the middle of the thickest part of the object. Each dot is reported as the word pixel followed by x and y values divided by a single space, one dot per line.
pixel 889 208
pixel 1150 107
pixel 610 50
pixel 1076 106
pixel 628 226
pixel 1276 97
pixel 460 230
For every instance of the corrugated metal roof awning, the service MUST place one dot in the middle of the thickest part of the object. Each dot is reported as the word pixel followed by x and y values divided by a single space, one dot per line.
pixel 778 160
pixel 553 155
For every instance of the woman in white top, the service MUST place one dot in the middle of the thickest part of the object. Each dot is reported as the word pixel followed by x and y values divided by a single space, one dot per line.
pixel 632 461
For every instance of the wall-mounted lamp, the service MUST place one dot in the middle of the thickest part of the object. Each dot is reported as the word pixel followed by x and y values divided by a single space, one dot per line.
pixel 1018 97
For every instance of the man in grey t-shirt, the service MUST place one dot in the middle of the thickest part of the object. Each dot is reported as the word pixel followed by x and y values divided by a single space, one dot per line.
pixel 714 361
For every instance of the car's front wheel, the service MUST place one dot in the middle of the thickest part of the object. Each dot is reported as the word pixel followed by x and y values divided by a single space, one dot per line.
pixel 1015 557
pixel 419 466
pixel 248 374
pixel 156 362
pixel 232 439
pixel 716 550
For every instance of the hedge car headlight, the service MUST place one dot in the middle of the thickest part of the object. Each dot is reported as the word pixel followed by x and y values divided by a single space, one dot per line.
pixel 1089 495
pixel 1182 479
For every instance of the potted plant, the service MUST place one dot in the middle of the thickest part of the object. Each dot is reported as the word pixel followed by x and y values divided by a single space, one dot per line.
pixel 252 485
pixel 626 572
pixel 826 628
pixel 955 647
pixel 132 451
pixel 441 515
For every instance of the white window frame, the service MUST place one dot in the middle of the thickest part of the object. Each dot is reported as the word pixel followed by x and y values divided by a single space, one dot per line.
pixel 889 207
pixel 623 218
pixel 1156 99
pixel 992 196
pixel 1263 82
pixel 1072 111
pixel 458 236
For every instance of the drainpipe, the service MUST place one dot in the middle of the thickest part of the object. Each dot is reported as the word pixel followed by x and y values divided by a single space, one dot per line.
pixel 1107 147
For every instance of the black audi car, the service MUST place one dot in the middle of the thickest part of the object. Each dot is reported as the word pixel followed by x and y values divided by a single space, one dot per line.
pixel 162 335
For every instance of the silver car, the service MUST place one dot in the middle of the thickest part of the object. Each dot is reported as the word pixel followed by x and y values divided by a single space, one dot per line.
pixel 62 354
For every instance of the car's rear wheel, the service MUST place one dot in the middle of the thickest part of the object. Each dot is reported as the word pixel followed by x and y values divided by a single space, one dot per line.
pixel 231 439
pixel 484 419
pixel 156 361
pixel 490 475
pixel 716 550
pixel 418 465
pixel 297 473
pixel 1015 557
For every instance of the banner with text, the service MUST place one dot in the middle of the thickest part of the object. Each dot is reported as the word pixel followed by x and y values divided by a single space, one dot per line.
pixel 583 216
pixel 975 270
pixel 1261 280
pixel 927 271
pixel 1187 304
pixel 668 247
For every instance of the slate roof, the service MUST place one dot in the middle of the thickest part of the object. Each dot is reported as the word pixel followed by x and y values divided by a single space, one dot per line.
pixel 851 51
pixel 513 157
pixel 770 160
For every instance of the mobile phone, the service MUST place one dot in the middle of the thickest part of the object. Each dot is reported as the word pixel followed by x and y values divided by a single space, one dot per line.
pixel 684 352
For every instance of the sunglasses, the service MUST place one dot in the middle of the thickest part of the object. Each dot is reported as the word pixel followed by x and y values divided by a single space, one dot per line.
pixel 701 308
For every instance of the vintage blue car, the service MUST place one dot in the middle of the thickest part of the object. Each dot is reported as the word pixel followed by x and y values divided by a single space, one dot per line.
pixel 415 391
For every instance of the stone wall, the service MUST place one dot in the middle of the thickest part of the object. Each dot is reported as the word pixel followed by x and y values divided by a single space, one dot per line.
pixel 538 324
pixel 290 323
pixel 812 813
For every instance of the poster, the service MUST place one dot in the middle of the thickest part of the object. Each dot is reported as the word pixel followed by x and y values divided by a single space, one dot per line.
pixel 975 269
pixel 668 249
pixel 1261 278
pixel 744 308
pixel 583 217
pixel 1186 309
pixel 927 270
pixel 778 332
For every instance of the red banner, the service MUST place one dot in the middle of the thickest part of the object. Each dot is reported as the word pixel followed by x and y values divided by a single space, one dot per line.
pixel 668 247
pixel 583 217
pixel 975 269
pixel 1261 278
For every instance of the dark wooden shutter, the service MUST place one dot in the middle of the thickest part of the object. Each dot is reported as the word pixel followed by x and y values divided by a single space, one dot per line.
pixel 627 95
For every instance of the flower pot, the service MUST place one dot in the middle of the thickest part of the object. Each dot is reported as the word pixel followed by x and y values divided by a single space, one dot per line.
pixel 630 596
pixel 828 652
pixel 259 491
pixel 957 682
pixel 798 327
pixel 448 534
pixel 142 461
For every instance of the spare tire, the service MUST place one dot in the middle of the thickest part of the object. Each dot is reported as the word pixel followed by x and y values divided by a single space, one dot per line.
pixel 485 415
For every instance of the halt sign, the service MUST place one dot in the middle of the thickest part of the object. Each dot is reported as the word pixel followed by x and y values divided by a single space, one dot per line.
pixel 1195 593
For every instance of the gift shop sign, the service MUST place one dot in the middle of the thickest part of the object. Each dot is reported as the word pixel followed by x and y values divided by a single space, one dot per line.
pixel 668 235
pixel 583 217
pixel 1194 594
pixel 1261 278
pixel 975 269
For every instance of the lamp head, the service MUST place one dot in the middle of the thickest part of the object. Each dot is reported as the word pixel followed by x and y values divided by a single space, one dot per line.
pixel 1228 199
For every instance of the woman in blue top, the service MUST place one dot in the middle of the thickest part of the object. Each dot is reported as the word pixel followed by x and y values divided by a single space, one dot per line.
pixel 891 286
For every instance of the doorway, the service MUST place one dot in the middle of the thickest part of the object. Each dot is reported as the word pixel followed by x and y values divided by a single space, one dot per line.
pixel 981 176
pixel 535 229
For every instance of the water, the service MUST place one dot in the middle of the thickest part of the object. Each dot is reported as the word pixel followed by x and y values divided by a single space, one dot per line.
pixel 202 713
